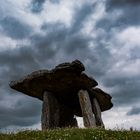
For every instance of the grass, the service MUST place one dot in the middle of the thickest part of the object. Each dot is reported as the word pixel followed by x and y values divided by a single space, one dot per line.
pixel 73 134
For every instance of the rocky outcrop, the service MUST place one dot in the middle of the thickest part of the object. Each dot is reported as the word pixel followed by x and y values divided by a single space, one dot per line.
pixel 64 82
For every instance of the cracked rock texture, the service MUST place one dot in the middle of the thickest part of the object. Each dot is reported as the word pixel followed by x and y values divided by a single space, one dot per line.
pixel 64 81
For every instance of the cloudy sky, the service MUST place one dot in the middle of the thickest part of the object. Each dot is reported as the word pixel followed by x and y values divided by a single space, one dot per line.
pixel 103 34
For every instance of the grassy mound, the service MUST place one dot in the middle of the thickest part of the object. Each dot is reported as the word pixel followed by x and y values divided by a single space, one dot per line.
pixel 73 134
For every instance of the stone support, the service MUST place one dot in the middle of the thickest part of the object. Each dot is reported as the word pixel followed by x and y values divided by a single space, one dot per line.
pixel 55 114
pixel 97 113
pixel 88 117
pixel 50 111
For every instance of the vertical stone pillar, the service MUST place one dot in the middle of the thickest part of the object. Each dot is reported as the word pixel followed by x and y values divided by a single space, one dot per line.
pixel 50 111
pixel 88 118
pixel 97 112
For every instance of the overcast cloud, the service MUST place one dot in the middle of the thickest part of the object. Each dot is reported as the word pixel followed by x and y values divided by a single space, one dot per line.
pixel 38 34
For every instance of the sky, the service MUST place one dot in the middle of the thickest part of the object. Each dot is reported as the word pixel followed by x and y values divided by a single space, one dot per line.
pixel 39 34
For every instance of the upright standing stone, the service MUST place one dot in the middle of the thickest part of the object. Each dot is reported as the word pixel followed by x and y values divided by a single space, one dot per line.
pixel 50 111
pixel 55 114
pixel 61 103
pixel 88 118
pixel 97 112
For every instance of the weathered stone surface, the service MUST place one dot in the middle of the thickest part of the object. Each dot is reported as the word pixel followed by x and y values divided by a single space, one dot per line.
pixel 64 81
pixel 50 113
pixel 97 113
pixel 85 103
pixel 55 114
pixel 103 98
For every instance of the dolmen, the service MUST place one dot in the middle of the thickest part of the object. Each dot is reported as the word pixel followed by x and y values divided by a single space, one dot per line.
pixel 66 92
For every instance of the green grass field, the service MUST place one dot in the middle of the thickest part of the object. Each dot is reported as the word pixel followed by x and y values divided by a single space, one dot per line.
pixel 73 134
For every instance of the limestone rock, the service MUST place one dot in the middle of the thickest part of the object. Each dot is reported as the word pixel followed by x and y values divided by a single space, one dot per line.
pixel 103 98
pixel 64 81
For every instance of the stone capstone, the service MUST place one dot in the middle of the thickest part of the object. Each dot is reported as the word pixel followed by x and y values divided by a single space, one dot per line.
pixel 64 81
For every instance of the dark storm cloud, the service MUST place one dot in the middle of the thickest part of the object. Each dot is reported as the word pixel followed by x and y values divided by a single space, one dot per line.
pixel 134 111
pixel 126 89
pixel 45 51
pixel 125 13
pixel 58 44
pixel 77 23
pixel 25 112
pixel 120 15
pixel 14 64
pixel 81 16
pixel 14 28
pixel 36 6
pixel 108 23
pixel 66 40
pixel 127 95
pixel 71 43
pixel 110 4
pixel 55 1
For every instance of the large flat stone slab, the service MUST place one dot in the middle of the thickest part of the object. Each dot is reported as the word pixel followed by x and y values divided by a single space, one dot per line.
pixel 64 81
